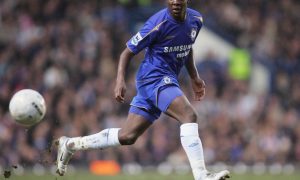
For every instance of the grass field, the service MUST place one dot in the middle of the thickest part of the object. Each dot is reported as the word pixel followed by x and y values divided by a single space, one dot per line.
pixel 148 176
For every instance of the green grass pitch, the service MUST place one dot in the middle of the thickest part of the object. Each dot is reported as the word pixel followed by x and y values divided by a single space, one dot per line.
pixel 146 176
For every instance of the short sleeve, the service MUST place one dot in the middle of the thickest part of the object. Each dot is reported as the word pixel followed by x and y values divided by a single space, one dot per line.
pixel 144 38
pixel 199 22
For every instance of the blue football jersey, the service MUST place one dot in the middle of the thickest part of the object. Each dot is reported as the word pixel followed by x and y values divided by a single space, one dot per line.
pixel 167 43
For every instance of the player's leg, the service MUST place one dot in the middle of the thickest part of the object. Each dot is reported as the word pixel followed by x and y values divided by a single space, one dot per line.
pixel 134 126
pixel 174 103
pixel 181 110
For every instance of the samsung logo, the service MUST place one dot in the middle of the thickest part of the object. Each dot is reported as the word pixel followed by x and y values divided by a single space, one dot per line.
pixel 177 48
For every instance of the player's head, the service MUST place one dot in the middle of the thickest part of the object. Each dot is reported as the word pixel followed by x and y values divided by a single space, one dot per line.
pixel 177 8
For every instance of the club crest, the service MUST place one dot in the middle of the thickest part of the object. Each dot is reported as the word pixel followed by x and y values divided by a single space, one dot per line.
pixel 167 80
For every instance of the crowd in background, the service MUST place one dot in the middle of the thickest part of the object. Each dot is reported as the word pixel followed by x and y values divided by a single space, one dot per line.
pixel 68 50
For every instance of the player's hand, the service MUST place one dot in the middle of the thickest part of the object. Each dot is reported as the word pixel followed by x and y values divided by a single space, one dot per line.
pixel 120 90
pixel 198 86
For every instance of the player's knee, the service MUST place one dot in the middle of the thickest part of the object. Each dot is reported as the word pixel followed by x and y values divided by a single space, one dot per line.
pixel 128 138
pixel 191 116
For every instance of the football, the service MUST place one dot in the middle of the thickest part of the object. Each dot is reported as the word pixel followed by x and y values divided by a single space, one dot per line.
pixel 27 107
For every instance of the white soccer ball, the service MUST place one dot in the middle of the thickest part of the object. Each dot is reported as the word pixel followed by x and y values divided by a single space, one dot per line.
pixel 27 107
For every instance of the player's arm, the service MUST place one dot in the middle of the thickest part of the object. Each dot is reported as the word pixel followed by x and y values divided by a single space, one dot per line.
pixel 198 84
pixel 120 88
pixel 141 40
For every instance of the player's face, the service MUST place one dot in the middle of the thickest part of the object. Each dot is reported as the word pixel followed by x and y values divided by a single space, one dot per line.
pixel 178 8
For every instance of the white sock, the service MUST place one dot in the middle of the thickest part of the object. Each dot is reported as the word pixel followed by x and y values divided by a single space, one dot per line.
pixel 104 139
pixel 192 145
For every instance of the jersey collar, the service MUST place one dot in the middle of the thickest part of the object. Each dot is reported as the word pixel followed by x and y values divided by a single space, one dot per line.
pixel 174 20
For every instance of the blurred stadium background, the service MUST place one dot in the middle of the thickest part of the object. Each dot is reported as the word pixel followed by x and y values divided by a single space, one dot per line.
pixel 248 53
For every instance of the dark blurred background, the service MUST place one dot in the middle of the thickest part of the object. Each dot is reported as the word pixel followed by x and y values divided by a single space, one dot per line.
pixel 68 50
